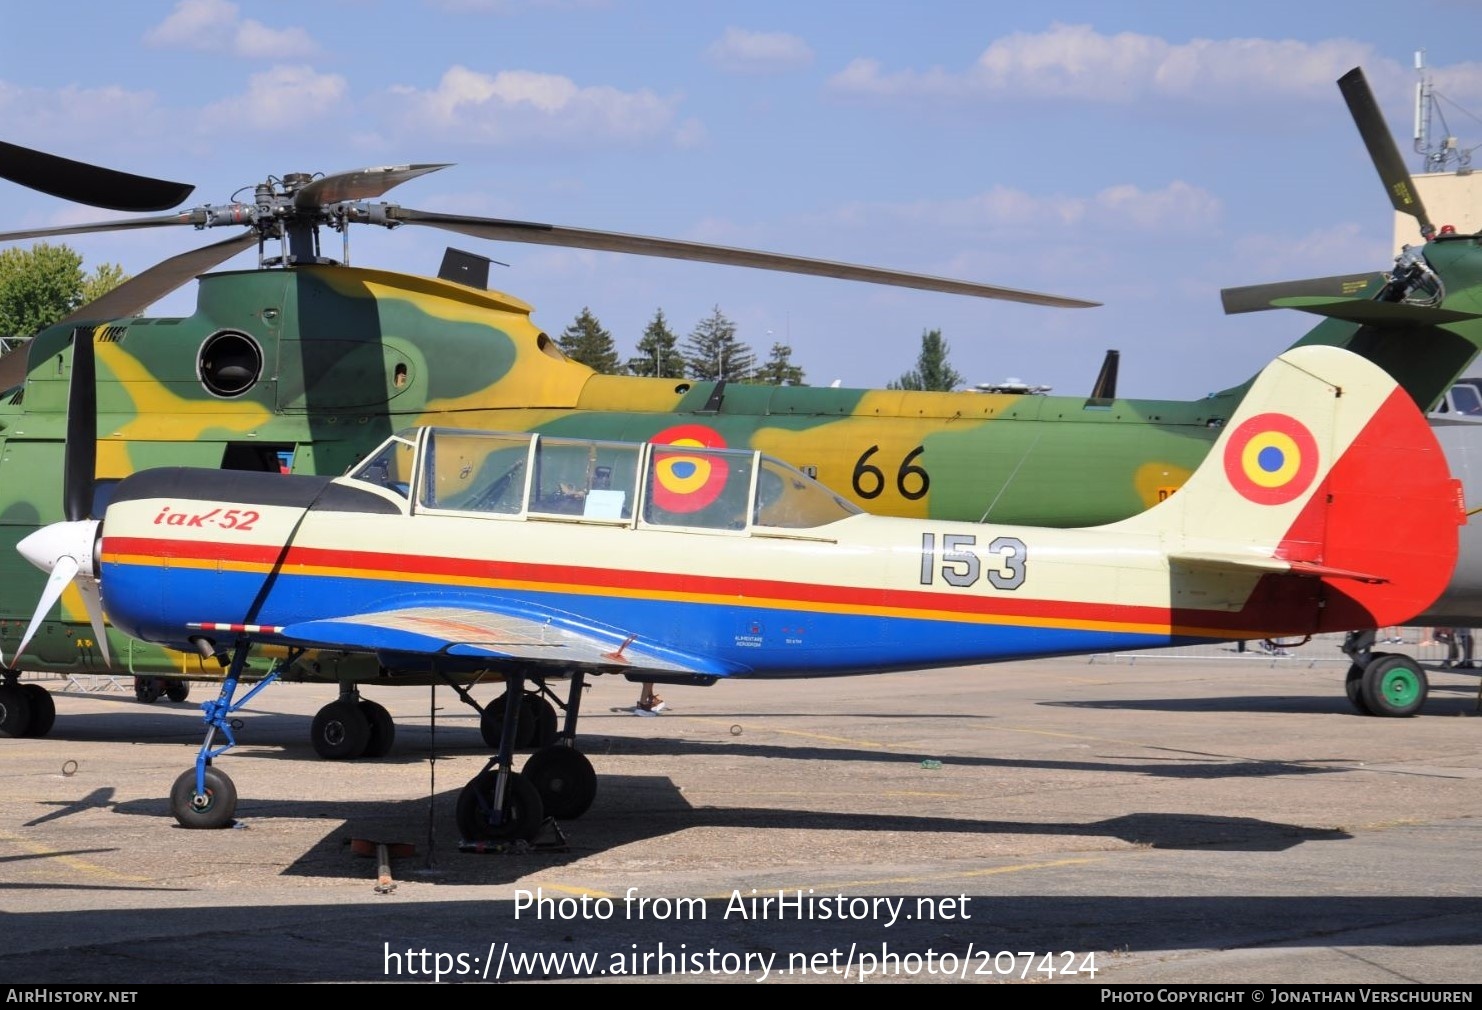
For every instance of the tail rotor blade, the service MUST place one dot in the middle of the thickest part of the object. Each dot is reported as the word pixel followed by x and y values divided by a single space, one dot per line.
pixel 1382 149
pixel 61 574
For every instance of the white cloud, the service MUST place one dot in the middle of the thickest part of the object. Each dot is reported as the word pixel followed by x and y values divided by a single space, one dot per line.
pixel 742 52
pixel 1078 62
pixel 217 26
pixel 280 96
pixel 1177 207
pixel 515 106
pixel 105 113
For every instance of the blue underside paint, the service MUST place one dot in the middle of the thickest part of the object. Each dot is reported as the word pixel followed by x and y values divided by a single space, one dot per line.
pixel 730 639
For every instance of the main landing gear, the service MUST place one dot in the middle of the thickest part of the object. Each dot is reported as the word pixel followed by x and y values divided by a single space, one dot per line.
pixel 352 727
pixel 500 804
pixel 25 709
pixel 1382 683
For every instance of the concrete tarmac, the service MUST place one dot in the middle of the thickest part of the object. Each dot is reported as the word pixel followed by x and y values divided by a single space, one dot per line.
pixel 1169 820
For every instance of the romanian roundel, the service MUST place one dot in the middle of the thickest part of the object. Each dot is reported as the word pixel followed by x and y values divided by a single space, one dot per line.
pixel 686 482
pixel 1271 459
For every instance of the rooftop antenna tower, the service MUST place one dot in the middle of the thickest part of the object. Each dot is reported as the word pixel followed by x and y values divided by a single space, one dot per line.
pixel 1444 155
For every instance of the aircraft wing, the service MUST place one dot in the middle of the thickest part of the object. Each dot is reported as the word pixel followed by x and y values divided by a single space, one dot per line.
pixel 472 633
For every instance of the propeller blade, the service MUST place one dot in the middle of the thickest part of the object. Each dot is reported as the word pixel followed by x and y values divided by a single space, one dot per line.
pixel 93 602
pixel 1382 149
pixel 61 574
pixel 137 293
pixel 81 451
pixel 1258 297
pixel 581 238
pixel 361 184
pixel 90 184
pixel 122 224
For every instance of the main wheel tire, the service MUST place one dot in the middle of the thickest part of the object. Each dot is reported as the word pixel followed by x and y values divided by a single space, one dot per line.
pixel 15 710
pixel 147 689
pixel 213 809
pixel 341 731
pixel 543 719
pixel 43 710
pixel 1394 686
pixel 382 729
pixel 565 779
pixel 1353 686
pixel 491 724
pixel 177 690
pixel 522 813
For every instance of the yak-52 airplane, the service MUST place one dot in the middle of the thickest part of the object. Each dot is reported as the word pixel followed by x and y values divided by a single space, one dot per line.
pixel 541 557
pixel 317 361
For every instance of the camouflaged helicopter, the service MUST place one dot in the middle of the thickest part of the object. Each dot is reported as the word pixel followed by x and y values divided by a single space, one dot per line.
pixel 309 362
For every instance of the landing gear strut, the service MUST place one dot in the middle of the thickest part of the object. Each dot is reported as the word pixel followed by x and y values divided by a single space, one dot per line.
pixel 1382 683
pixel 203 796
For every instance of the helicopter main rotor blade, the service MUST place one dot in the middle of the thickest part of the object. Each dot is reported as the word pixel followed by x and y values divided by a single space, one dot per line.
pixel 122 224
pixel 1258 297
pixel 361 184
pixel 640 245
pixel 1382 149
pixel 137 293
pixel 90 184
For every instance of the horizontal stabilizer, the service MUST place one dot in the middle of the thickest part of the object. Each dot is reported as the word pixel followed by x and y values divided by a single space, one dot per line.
pixel 1359 310
pixel 1252 563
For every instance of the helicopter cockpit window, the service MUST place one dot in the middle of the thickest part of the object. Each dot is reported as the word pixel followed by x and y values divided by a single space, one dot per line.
pixel 699 488
pixel 469 471
pixel 786 499
pixel 1464 399
pixel 389 467
pixel 594 480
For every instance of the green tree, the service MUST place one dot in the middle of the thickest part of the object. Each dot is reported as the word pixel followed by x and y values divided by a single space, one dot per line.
pixel 658 352
pixel 932 371
pixel 40 285
pixel 711 351
pixel 586 341
pixel 779 369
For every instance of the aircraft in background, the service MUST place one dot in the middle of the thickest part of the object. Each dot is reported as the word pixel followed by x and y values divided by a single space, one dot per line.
pixel 320 362
pixel 541 557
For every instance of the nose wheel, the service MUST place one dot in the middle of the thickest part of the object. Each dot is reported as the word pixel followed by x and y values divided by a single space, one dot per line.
pixel 211 803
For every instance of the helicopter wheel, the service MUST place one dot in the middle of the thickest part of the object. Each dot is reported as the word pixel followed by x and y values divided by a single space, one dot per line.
pixel 491 723
pixel 15 710
pixel 565 780
pixel 382 729
pixel 43 710
pixel 520 817
pixel 177 690
pixel 212 809
pixel 543 720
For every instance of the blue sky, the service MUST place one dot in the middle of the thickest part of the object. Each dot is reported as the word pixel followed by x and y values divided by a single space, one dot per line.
pixel 1143 155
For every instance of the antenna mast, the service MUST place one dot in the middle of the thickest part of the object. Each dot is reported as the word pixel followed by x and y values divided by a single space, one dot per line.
pixel 1446 154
